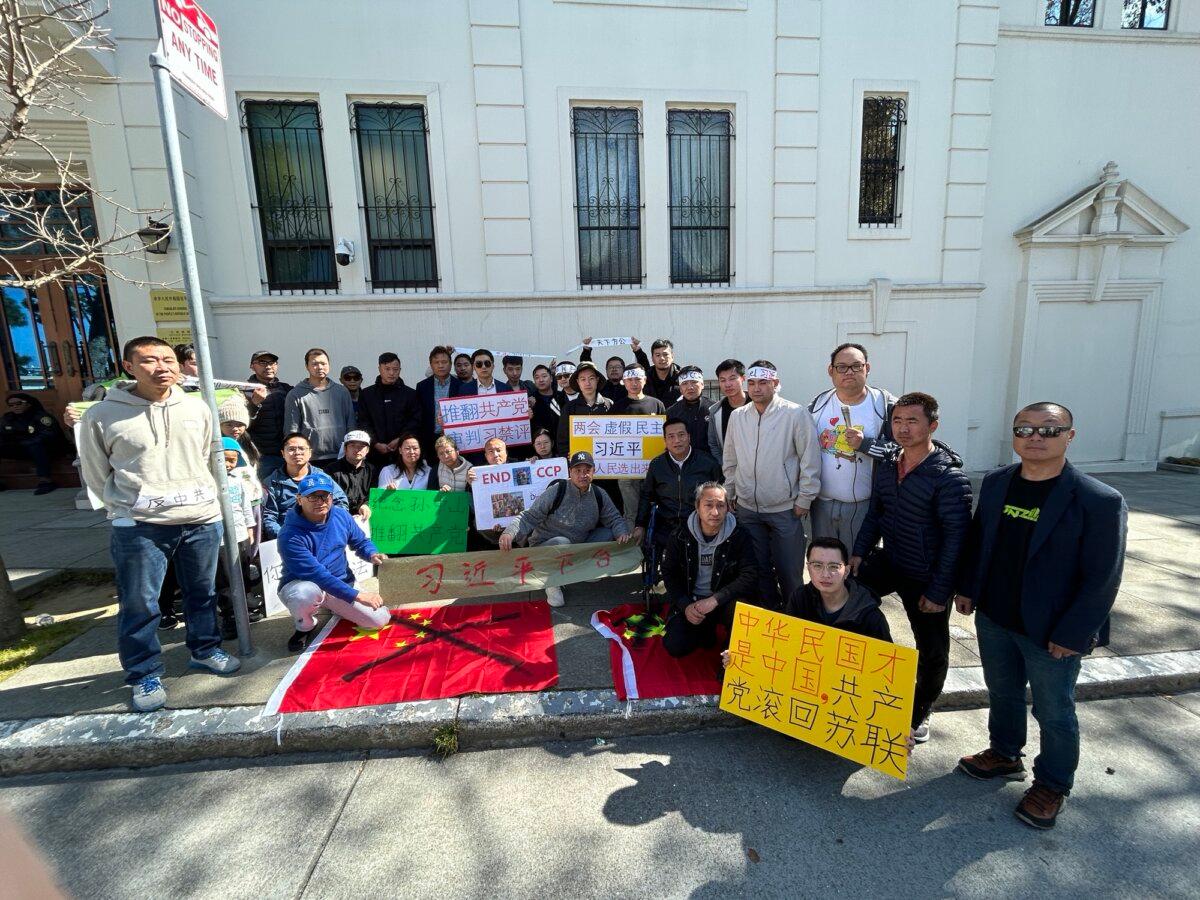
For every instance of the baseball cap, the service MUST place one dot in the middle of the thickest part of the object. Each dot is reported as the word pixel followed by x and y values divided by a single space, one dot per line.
pixel 361 436
pixel 581 458
pixel 316 481
pixel 263 354
pixel 350 370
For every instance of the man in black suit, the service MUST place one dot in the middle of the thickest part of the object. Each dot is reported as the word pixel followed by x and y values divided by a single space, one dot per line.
pixel 429 390
pixel 1042 566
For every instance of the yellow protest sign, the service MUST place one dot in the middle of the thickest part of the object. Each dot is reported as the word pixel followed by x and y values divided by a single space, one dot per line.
pixel 844 693
pixel 169 306
pixel 622 446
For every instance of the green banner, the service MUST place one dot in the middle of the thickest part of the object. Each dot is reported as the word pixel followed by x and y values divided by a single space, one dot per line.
pixel 419 522
pixel 490 572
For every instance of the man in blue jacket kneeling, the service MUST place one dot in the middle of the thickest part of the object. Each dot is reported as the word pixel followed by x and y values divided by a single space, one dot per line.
pixel 316 574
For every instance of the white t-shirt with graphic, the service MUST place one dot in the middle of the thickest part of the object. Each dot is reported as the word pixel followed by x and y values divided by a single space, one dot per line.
pixel 845 474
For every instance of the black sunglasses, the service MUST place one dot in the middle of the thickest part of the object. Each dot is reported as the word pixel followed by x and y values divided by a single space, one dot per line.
pixel 483 364
pixel 1046 431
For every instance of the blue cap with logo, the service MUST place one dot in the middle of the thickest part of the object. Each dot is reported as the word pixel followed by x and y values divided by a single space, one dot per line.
pixel 316 481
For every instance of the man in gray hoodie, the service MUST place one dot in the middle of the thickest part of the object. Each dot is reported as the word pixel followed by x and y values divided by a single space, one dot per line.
pixel 569 512
pixel 320 409
pixel 144 450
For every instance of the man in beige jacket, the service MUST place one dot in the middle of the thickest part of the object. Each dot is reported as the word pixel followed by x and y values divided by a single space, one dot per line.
pixel 772 466
pixel 144 450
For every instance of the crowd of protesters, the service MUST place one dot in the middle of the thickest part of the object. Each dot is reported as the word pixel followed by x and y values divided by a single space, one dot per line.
pixel 721 514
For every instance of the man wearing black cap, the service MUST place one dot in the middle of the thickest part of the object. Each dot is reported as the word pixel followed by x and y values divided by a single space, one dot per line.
pixel 614 387
pixel 568 512
pixel 266 411
pixel 588 401
pixel 388 409
pixel 351 379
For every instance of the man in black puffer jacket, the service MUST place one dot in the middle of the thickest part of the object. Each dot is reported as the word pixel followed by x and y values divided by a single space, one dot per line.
pixel 709 566
pixel 266 411
pixel 387 410
pixel 921 507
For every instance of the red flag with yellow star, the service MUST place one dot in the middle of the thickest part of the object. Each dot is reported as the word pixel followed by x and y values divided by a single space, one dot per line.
pixel 642 667
pixel 424 654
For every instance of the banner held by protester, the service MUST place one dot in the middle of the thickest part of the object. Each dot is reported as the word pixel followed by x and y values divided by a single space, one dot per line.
pixel 844 693
pixel 475 420
pixel 419 522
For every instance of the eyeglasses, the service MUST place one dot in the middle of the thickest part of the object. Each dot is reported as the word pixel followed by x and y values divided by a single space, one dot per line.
pixel 843 368
pixel 351 378
pixel 483 364
pixel 1046 431
pixel 831 568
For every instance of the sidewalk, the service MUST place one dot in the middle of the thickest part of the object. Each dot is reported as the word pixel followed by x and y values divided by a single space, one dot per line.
pixel 71 709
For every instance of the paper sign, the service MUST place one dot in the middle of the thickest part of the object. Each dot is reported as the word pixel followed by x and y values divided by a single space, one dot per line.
pixel 847 694
pixel 416 522
pixel 622 446
pixel 491 572
pixel 271 566
pixel 503 492
pixel 473 421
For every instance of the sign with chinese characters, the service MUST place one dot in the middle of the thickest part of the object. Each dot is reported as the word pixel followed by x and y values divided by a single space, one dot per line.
pixel 473 421
pixel 174 335
pixel 189 41
pixel 504 492
pixel 491 572
pixel 622 446
pixel 847 694
pixel 416 522
pixel 271 566
pixel 169 306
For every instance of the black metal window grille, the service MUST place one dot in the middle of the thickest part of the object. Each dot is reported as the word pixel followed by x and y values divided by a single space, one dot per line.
pixel 698 150
pixel 1071 13
pixel 608 198
pixel 33 211
pixel 880 166
pixel 1147 14
pixel 292 197
pixel 393 159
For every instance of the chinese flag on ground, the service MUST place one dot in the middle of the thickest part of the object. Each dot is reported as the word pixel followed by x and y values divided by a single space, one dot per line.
pixel 424 654
pixel 641 666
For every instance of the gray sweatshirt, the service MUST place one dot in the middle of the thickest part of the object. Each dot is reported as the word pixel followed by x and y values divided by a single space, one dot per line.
pixel 576 517
pixel 708 549
pixel 323 416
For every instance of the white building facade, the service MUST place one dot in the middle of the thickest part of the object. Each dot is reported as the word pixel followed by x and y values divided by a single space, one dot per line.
pixel 752 178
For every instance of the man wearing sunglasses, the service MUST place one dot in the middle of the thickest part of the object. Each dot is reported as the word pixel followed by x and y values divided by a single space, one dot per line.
pixel 1042 565
pixel 484 382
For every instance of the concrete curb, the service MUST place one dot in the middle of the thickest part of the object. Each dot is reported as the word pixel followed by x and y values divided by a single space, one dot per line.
pixel 97 741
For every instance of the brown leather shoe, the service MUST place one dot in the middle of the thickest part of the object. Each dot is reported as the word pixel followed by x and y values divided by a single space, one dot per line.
pixel 1040 806
pixel 990 764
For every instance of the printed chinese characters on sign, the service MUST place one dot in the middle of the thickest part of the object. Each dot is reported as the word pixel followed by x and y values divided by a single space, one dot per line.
pixel 473 421
pixel 847 694
pixel 622 446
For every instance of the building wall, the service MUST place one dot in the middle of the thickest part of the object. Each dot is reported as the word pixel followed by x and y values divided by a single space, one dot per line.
pixel 988 149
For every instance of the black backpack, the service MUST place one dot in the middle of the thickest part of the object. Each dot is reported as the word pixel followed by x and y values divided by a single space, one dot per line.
pixel 560 487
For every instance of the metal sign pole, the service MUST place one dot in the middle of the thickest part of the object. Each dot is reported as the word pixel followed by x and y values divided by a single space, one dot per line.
pixel 191 285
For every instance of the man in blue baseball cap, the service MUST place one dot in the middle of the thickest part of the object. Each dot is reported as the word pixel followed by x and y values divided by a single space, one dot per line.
pixel 316 574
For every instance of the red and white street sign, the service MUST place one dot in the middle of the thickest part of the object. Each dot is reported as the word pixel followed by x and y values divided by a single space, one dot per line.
pixel 189 41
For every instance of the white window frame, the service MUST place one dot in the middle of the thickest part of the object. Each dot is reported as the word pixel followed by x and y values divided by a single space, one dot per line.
pixel 884 88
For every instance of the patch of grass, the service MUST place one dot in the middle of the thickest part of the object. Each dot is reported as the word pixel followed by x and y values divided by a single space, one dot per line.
pixel 34 644
pixel 445 740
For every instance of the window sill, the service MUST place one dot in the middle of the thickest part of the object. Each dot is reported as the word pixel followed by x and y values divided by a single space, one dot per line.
pixel 1100 35
pixel 879 233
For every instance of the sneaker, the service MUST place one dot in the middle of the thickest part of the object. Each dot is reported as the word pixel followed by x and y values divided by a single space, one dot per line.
pixel 554 596
pixel 44 487
pixel 990 764
pixel 220 663
pixel 298 641
pixel 166 623
pixel 921 732
pixel 1040 806
pixel 149 694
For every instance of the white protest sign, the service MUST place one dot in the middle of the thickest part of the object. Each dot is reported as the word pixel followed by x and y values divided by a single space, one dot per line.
pixel 603 342
pixel 501 493
pixel 473 421
pixel 189 42
pixel 271 566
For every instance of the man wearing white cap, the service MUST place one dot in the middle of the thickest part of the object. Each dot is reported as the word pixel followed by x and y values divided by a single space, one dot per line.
pixel 354 474
pixel 772 465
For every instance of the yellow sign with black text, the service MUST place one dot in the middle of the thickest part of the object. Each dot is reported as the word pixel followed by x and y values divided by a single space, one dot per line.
pixel 169 306
pixel 844 693
pixel 622 446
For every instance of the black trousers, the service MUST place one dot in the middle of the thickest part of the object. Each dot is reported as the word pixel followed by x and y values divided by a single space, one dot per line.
pixel 931 630
pixel 224 592
pixel 682 637
pixel 37 450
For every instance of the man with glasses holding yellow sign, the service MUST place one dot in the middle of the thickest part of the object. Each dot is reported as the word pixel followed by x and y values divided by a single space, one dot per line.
pixel 1042 565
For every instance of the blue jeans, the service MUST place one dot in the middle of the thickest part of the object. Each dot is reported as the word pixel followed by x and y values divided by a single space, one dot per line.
pixel 140 553
pixel 1010 660
pixel 267 465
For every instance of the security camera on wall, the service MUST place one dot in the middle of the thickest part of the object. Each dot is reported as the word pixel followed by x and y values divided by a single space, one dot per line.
pixel 344 252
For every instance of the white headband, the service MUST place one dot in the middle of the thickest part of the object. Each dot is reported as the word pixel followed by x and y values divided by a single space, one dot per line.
pixel 692 376
pixel 564 368
pixel 634 372
pixel 761 372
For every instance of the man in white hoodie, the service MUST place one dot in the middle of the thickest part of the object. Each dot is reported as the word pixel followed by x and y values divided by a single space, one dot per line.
pixel 144 450
pixel 772 467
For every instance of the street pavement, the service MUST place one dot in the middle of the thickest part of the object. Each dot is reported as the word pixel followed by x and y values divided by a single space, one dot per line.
pixel 723 813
